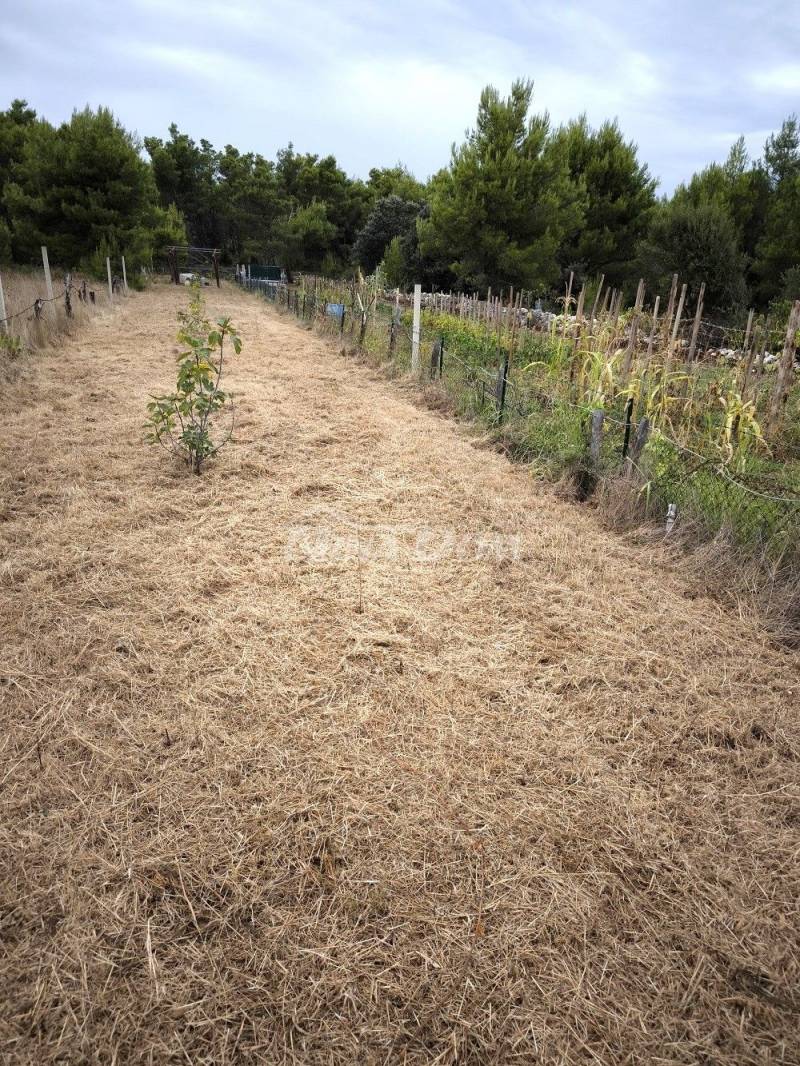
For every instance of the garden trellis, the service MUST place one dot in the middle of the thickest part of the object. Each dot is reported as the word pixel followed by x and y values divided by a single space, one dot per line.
pixel 192 259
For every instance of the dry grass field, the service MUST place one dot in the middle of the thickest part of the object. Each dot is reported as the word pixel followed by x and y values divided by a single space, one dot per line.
pixel 397 801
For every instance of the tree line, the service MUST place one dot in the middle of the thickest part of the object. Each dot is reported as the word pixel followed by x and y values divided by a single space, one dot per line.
pixel 520 203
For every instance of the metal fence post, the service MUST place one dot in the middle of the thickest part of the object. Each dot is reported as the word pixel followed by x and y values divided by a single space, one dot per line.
pixel 4 326
pixel 596 439
pixel 500 388
pixel 628 415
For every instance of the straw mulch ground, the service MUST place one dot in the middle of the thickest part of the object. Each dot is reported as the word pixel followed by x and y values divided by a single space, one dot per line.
pixel 264 804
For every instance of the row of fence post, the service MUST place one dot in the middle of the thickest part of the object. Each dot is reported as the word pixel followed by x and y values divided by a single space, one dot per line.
pixel 602 455
pixel 48 284
pixel 437 365
pixel 633 443
pixel 437 353
pixel 635 435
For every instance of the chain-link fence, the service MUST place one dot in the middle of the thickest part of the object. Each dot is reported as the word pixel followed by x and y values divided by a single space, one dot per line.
pixel 662 480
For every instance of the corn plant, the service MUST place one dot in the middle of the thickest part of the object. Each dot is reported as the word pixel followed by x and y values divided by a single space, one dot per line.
pixel 598 377
pixel 183 421
pixel 741 432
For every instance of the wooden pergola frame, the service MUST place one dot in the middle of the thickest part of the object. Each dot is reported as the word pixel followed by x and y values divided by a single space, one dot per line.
pixel 195 257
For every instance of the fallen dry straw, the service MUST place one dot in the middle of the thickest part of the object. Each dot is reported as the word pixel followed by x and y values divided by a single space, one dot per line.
pixel 264 801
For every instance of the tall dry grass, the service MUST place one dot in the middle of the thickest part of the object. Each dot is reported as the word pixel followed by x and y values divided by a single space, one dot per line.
pixel 761 587
pixel 31 332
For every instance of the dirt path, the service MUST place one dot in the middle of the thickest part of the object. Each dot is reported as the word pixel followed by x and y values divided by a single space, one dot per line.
pixel 361 748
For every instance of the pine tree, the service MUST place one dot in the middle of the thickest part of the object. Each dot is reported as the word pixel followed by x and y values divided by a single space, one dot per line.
pixel 778 251
pixel 699 242
pixel 390 217
pixel 500 211
pixel 620 197
pixel 187 175
pixel 394 264
pixel 79 187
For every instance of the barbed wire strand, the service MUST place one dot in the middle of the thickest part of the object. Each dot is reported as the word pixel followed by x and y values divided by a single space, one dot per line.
pixel 39 301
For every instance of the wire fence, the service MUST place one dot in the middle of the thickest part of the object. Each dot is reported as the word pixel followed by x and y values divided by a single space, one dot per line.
pixel 41 318
pixel 658 479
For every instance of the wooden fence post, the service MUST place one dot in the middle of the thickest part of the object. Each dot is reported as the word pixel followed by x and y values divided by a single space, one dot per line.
pixel 597 296
pixel 631 347
pixel 435 354
pixel 579 307
pixel 48 281
pixel 748 351
pixel 124 276
pixel 696 327
pixel 3 324
pixel 110 286
pixel 675 327
pixel 173 265
pixel 617 308
pixel 567 301
pixel 651 341
pixel 637 446
pixel 673 292
pixel 748 329
pixel 415 330
pixel 784 376
pixel 574 365
pixel 762 349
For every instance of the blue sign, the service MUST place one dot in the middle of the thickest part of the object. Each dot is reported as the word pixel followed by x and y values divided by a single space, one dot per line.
pixel 337 310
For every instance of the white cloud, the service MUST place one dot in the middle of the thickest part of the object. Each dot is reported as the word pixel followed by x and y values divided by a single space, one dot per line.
pixel 779 79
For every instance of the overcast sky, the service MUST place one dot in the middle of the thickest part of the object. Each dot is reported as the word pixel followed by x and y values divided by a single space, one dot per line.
pixel 374 83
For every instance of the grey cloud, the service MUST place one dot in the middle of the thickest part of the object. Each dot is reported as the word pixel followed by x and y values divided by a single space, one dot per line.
pixel 374 83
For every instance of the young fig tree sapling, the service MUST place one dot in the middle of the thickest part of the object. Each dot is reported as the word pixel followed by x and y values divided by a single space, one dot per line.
pixel 184 421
